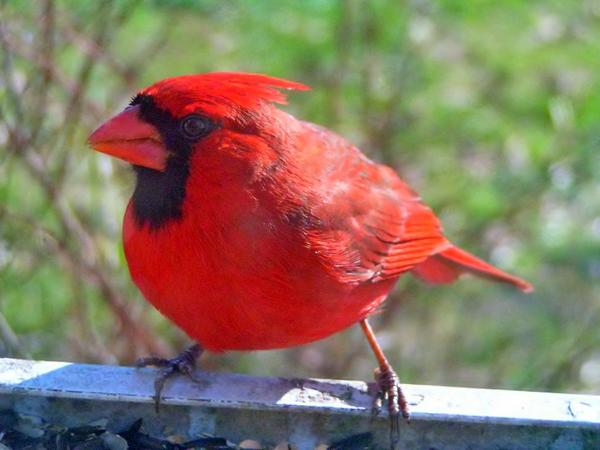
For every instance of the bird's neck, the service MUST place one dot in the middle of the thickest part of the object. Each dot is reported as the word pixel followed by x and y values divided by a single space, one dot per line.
pixel 158 196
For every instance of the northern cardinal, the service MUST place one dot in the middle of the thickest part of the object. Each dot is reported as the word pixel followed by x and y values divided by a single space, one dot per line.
pixel 251 229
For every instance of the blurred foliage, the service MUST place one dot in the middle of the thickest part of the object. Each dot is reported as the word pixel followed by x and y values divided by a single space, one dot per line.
pixel 491 110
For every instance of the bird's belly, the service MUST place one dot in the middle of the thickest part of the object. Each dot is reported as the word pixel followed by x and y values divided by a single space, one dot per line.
pixel 247 296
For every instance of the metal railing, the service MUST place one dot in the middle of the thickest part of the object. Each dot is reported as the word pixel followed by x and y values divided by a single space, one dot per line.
pixel 302 413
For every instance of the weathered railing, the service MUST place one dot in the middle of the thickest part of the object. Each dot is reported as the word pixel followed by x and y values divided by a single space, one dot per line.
pixel 302 413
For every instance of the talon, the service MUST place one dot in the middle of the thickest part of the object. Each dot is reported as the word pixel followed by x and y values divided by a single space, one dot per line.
pixel 388 388
pixel 152 361
pixel 183 364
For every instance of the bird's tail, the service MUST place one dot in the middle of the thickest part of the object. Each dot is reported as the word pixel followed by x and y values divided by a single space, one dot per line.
pixel 449 264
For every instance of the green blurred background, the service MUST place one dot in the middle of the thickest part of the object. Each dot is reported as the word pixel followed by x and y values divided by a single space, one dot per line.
pixel 491 110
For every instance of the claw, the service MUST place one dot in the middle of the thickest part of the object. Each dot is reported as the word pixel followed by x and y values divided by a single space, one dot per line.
pixel 155 361
pixel 183 364
pixel 389 388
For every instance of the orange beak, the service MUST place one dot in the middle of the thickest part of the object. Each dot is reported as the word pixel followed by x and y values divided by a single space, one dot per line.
pixel 131 139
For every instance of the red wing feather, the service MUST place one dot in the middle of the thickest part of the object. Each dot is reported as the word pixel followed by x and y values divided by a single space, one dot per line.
pixel 372 226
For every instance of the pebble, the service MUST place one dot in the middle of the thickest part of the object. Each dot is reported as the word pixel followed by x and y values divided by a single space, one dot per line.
pixel 250 444
pixel 113 442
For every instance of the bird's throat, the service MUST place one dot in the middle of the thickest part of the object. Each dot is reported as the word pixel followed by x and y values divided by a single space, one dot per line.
pixel 158 196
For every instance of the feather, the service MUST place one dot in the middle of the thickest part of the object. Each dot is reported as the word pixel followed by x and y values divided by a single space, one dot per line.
pixel 449 264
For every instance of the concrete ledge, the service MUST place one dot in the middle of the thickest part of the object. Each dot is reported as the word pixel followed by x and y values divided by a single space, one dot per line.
pixel 305 413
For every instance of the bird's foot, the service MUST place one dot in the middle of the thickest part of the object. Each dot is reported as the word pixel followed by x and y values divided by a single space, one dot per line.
pixel 389 389
pixel 183 364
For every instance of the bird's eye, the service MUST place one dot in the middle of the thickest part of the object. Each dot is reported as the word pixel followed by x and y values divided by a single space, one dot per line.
pixel 194 127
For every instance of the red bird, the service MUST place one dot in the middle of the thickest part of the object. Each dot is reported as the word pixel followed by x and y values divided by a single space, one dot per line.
pixel 251 229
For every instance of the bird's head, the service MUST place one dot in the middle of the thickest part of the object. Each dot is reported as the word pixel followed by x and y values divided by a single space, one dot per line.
pixel 193 124
pixel 169 120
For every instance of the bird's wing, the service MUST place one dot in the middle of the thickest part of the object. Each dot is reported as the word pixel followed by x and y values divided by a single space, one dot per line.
pixel 367 224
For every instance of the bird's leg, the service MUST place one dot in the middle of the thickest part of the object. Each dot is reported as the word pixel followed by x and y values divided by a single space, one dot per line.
pixel 184 364
pixel 388 385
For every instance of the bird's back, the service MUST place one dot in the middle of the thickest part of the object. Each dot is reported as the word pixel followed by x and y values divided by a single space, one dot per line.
pixel 362 220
